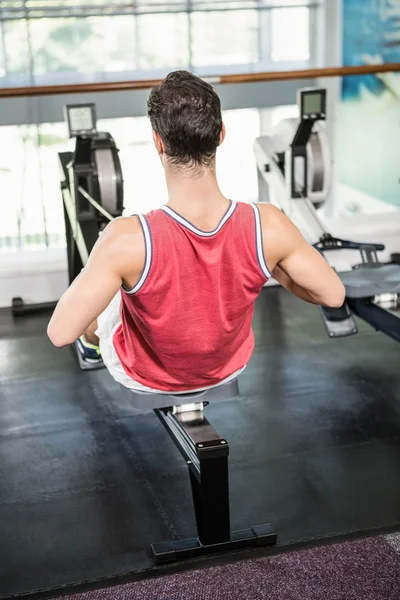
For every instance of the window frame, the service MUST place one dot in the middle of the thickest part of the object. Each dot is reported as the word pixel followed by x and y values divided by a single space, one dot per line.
pixel 264 63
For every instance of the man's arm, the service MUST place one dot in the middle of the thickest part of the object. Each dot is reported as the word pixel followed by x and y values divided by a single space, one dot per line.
pixel 295 264
pixel 292 287
pixel 118 249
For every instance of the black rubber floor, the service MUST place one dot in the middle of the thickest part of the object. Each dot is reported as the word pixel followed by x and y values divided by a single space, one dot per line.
pixel 86 484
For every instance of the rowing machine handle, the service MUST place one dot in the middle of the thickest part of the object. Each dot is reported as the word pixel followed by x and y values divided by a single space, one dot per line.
pixel 327 242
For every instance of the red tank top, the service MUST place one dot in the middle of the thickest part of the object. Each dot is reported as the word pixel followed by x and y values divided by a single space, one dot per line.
pixel 187 322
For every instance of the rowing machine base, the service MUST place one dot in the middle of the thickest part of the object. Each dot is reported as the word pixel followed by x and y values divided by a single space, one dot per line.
pixel 168 552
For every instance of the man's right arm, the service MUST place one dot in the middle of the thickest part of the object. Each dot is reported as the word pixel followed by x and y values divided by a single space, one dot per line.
pixel 295 264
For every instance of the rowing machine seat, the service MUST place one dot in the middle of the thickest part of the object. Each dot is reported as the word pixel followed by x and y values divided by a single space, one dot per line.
pixel 150 401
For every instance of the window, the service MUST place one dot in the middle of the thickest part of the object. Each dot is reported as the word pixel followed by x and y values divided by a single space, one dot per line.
pixel 45 42
pixel 85 45
pixel 35 220
pixel 29 170
pixel 2 55
pixel 290 34
pixel 224 38
pixel 163 41
pixel 70 41
pixel 16 49
pixel 236 169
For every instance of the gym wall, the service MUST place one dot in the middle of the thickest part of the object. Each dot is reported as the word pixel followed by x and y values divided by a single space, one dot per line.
pixel 368 120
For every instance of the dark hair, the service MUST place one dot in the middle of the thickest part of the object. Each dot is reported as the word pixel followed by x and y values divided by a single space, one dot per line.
pixel 186 113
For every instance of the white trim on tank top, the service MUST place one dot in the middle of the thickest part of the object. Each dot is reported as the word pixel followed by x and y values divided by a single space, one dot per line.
pixel 259 242
pixel 182 221
pixel 148 256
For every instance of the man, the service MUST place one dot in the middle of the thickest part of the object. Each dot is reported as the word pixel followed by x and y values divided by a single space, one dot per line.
pixel 169 297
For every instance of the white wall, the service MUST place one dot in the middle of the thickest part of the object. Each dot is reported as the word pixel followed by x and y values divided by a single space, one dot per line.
pixel 330 53
pixel 35 276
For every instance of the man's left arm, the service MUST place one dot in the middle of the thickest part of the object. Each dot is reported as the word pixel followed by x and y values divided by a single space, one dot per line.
pixel 89 294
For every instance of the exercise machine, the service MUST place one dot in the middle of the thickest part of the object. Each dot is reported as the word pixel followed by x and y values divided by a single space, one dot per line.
pixel 92 190
pixel 206 455
pixel 294 170
pixel 91 183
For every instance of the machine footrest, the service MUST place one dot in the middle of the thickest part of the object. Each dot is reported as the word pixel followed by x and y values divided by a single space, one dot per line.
pixel 173 551
pixel 86 365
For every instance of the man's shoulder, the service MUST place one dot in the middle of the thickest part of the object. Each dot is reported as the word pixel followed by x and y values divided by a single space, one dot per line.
pixel 272 218
pixel 123 237
pixel 280 235
pixel 125 226
pixel 269 210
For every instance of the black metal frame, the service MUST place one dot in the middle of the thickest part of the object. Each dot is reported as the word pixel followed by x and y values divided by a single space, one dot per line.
pixel 78 213
pixel 98 142
pixel 206 454
pixel 83 213
pixel 339 322
pixel 20 309
pixel 299 150
pixel 376 316
pixel 301 139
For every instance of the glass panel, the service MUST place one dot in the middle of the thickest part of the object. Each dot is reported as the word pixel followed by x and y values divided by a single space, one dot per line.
pixel 144 181
pixel 53 138
pixel 49 41
pixel 290 34
pixel 2 52
pixel 173 29
pixel 35 217
pixel 12 168
pixel 237 174
pixel 94 44
pixel 16 47
pixel 11 9
pixel 223 38
pixel 22 219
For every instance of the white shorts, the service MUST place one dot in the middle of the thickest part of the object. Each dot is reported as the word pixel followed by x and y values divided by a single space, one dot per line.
pixel 107 324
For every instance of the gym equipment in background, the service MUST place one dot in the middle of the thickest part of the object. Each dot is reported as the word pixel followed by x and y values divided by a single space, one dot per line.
pixel 92 190
pixel 294 173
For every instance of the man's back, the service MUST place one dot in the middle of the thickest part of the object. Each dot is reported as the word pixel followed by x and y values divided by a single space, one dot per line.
pixel 187 325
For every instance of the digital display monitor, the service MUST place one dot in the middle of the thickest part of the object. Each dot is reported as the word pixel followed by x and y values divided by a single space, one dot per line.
pixel 81 119
pixel 313 103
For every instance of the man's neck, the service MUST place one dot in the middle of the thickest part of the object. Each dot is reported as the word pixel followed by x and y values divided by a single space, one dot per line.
pixel 193 193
